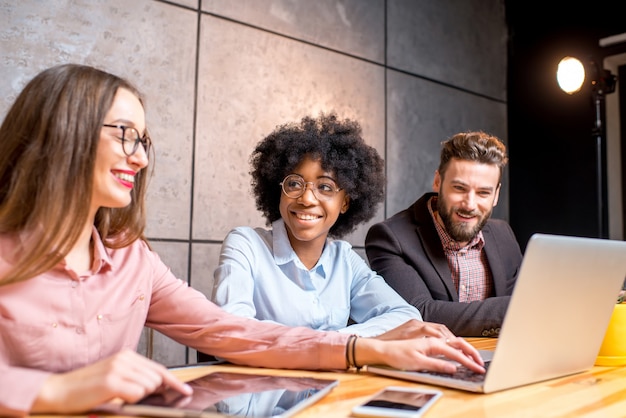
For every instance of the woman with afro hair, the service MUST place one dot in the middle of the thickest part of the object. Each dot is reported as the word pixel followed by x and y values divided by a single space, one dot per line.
pixel 314 181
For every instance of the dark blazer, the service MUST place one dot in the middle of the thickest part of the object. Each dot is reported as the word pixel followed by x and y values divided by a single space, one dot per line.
pixel 406 250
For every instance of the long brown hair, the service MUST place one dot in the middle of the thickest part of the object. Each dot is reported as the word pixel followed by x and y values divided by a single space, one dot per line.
pixel 48 144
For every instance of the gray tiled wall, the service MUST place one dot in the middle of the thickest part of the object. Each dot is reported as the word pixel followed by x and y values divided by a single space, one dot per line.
pixel 221 74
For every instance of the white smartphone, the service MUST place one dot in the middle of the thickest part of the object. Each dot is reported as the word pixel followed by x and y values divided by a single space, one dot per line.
pixel 398 402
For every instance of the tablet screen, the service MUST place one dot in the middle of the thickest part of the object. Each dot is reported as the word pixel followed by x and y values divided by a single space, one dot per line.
pixel 236 394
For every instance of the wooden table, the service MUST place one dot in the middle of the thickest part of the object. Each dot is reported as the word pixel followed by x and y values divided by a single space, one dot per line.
pixel 600 392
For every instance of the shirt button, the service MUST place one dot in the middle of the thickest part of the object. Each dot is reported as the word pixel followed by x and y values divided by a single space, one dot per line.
pixel 74 284
pixel 99 317
pixel 79 331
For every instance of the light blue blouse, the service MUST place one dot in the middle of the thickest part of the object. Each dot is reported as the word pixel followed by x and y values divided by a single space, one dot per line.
pixel 260 276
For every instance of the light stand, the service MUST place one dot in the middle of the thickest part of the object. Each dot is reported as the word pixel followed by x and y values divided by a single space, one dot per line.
pixel 571 76
pixel 603 83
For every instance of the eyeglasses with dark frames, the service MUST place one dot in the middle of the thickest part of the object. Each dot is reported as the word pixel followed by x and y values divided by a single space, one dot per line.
pixel 324 189
pixel 131 139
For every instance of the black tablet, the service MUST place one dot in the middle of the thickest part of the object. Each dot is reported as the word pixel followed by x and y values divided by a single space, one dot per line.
pixel 220 394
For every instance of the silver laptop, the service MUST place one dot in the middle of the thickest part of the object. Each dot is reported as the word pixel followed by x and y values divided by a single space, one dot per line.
pixel 565 293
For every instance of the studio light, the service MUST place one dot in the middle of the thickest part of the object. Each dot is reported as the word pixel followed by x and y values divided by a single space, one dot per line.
pixel 571 74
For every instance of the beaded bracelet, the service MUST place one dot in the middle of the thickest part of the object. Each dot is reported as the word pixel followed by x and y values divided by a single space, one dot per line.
pixel 348 362
pixel 351 354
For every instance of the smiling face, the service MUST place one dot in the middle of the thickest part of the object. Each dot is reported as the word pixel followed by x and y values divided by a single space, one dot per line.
pixel 468 192
pixel 115 171
pixel 308 219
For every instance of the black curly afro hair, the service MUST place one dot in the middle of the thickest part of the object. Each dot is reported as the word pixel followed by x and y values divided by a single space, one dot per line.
pixel 338 145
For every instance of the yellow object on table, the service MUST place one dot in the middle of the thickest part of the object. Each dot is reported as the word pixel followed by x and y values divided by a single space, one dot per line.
pixel 613 349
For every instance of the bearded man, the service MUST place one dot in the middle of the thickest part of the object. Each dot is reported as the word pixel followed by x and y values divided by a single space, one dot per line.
pixel 445 254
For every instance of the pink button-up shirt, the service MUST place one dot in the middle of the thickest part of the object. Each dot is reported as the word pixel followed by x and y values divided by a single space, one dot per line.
pixel 60 321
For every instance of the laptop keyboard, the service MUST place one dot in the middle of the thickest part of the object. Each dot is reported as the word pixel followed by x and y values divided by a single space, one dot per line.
pixel 462 373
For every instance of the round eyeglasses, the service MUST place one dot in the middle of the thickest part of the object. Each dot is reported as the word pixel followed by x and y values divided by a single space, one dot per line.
pixel 323 189
pixel 130 139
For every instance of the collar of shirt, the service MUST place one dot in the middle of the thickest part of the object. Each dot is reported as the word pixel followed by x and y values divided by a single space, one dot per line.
pixel 446 240
pixel 284 253
pixel 101 258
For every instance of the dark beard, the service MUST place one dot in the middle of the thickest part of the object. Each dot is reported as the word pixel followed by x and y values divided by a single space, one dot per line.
pixel 459 231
